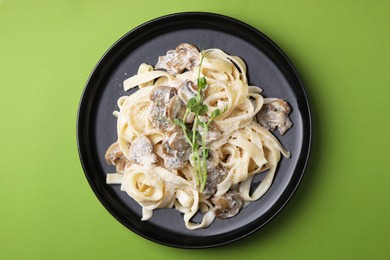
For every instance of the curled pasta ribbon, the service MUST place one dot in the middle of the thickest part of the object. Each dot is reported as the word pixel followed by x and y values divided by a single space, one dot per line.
pixel 240 116
pixel 144 68
pixel 250 151
pixel 147 190
pixel 152 188
pixel 245 156
pixel 144 78
pixel 188 201
pixel 272 151
pixel 219 66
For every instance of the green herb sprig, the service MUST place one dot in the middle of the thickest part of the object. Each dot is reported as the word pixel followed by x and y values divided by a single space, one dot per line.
pixel 200 152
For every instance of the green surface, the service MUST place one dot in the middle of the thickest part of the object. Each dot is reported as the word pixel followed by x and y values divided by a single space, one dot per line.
pixel 341 50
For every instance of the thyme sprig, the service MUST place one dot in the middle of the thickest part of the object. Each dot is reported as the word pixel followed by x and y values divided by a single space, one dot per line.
pixel 197 140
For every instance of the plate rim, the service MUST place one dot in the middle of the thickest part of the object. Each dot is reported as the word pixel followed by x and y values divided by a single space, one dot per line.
pixel 306 138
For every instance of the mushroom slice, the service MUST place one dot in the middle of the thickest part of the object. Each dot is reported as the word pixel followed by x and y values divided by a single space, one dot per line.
pixel 175 144
pixel 114 156
pixel 185 56
pixel 212 160
pixel 165 103
pixel 174 108
pixel 176 151
pixel 228 204
pixel 141 151
pixel 175 163
pixel 186 91
pixel 162 94
pixel 274 113
pixel 215 175
pixel 213 133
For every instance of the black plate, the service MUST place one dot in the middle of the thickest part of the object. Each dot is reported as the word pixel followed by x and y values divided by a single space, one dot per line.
pixel 268 68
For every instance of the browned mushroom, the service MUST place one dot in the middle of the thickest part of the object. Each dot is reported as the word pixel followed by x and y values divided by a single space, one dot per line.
pixel 186 91
pixel 175 163
pixel 174 108
pixel 162 94
pixel 213 133
pixel 175 144
pixel 228 204
pixel 176 150
pixel 275 114
pixel 185 56
pixel 215 175
pixel 114 156
pixel 165 106
pixel 212 160
pixel 141 151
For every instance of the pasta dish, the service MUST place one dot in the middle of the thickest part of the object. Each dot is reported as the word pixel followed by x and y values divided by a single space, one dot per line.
pixel 194 134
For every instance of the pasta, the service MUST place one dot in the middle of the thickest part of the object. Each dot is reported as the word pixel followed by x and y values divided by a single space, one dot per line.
pixel 160 126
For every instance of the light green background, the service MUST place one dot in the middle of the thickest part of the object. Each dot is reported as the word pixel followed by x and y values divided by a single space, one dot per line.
pixel 342 52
